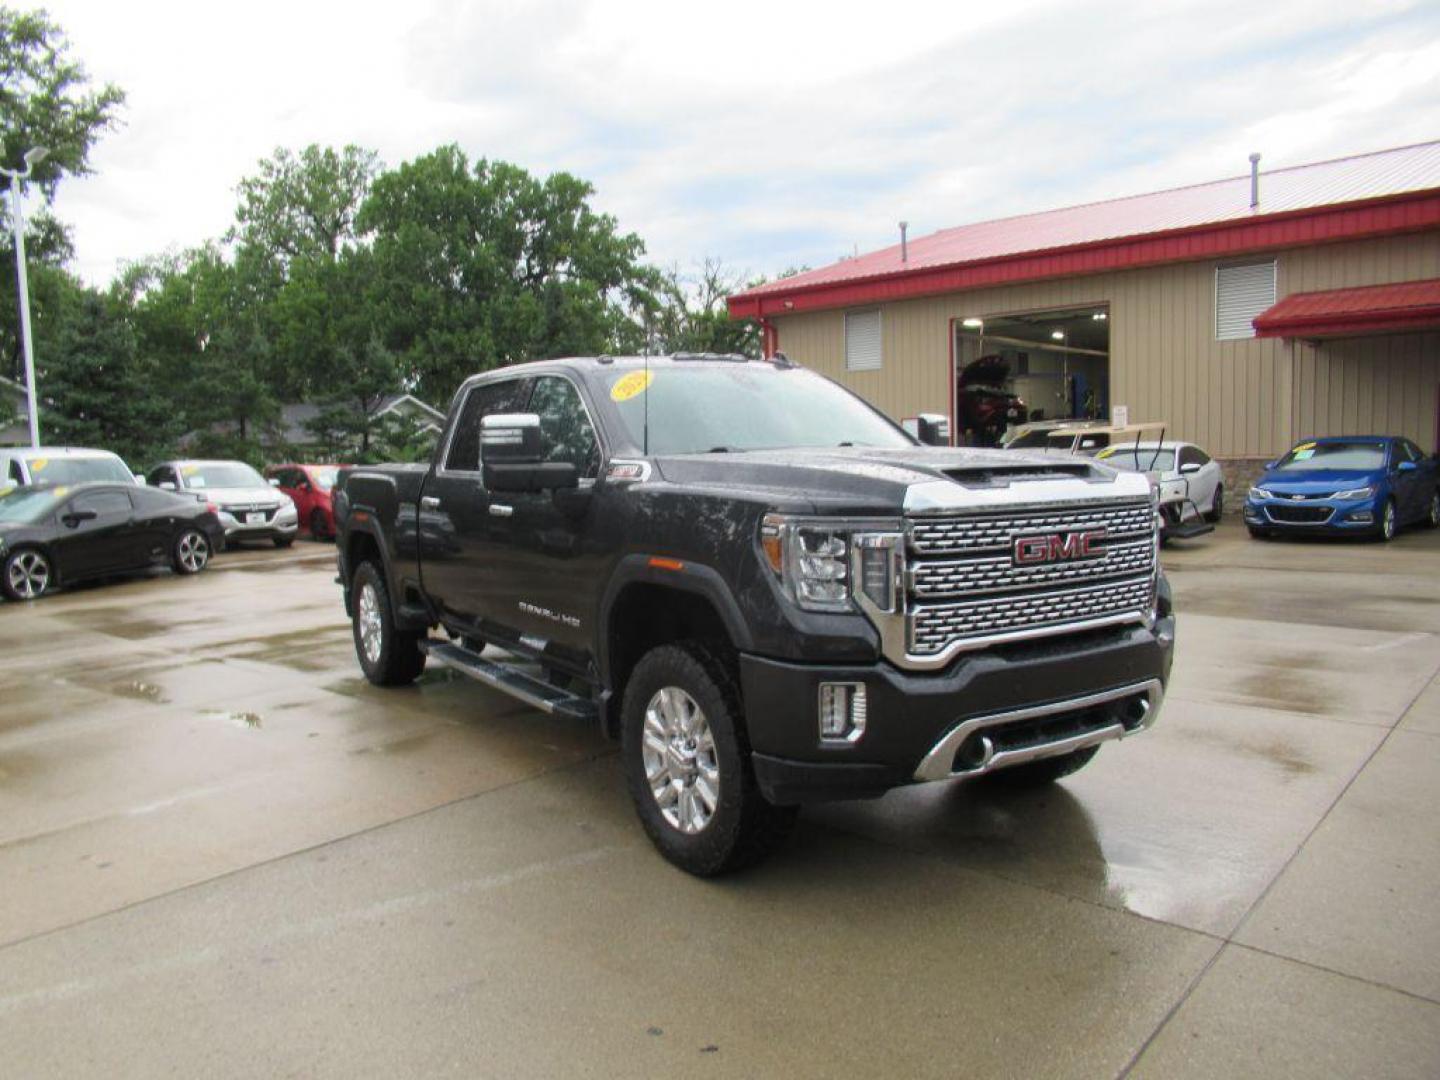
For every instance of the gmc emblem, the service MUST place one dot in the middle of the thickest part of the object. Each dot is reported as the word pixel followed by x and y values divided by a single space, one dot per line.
pixel 1058 547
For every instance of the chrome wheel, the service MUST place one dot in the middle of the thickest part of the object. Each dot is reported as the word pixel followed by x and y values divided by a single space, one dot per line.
pixel 372 627
pixel 1387 521
pixel 681 766
pixel 193 551
pixel 1435 510
pixel 28 574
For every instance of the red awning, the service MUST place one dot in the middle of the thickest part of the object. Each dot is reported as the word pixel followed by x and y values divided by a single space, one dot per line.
pixel 1373 309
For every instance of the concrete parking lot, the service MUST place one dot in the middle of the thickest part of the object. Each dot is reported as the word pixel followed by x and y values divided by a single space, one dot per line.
pixel 223 853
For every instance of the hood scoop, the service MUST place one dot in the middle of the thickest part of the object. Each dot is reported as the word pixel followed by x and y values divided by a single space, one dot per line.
pixel 993 476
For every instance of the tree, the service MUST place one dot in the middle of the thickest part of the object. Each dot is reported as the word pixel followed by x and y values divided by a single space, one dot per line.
pixel 694 316
pixel 45 100
pixel 304 206
pixel 479 266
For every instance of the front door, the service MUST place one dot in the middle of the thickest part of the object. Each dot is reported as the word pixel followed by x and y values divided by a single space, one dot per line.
pixel 102 544
pixel 457 535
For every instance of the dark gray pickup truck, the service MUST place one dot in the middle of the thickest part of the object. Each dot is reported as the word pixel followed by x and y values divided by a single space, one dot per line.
pixel 766 590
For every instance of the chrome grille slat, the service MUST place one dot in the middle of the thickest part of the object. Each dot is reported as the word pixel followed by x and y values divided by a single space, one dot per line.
pixel 933 627
pixel 962 577
pixel 995 532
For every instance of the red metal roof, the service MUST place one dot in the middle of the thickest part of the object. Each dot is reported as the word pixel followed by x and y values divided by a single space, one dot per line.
pixel 1410 305
pixel 1367 195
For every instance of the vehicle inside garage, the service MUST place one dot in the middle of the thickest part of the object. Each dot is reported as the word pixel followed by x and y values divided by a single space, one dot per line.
pixel 1044 365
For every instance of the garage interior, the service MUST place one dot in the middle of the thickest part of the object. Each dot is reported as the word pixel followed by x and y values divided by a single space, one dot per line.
pixel 1056 362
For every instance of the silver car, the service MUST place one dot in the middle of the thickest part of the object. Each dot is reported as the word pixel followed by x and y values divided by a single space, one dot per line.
pixel 249 507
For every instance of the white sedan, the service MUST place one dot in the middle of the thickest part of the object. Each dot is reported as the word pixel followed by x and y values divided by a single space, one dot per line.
pixel 1192 487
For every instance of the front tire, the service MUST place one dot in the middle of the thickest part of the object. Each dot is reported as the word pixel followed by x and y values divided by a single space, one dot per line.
pixel 318 531
pixel 687 763
pixel 1217 505
pixel 1044 772
pixel 1432 519
pixel 283 541
pixel 1389 522
pixel 389 657
pixel 191 552
pixel 27 575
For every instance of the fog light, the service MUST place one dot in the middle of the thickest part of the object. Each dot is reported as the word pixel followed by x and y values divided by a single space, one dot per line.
pixel 842 712
pixel 1362 515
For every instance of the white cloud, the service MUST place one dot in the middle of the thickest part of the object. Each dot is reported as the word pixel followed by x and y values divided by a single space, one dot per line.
pixel 768 134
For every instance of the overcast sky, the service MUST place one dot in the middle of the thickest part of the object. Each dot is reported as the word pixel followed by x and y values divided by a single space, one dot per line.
pixel 765 134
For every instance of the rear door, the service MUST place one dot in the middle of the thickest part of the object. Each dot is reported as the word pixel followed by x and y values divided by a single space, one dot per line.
pixel 458 536
pixel 102 544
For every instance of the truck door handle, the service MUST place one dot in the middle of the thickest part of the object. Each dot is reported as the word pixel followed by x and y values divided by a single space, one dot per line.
pixel 497 510
pixel 429 502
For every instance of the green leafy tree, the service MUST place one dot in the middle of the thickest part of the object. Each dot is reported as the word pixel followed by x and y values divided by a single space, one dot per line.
pixel 304 205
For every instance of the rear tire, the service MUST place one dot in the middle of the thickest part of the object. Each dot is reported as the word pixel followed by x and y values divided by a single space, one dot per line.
pixel 1259 534
pixel 191 552
pixel 389 657
pixel 1046 771
pixel 683 741
pixel 1432 519
pixel 317 526
pixel 26 574
pixel 283 541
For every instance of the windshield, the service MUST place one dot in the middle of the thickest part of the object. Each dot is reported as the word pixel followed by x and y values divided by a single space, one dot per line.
pixel 1358 456
pixel 324 478
pixel 220 474
pixel 743 406
pixel 77 470
pixel 1088 444
pixel 1028 440
pixel 28 505
pixel 1141 460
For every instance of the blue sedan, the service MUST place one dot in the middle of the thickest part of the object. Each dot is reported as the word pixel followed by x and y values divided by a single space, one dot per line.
pixel 1367 484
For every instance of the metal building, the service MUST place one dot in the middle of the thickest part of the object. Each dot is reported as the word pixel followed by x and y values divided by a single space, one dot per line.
pixel 1246 313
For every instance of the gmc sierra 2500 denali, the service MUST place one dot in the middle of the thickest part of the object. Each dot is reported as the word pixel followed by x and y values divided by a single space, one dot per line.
pixel 766 590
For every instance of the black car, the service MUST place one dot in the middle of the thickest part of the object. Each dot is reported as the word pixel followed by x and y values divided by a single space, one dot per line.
pixel 59 534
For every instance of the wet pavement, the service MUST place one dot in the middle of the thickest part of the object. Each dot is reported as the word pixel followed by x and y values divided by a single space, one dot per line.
pixel 221 851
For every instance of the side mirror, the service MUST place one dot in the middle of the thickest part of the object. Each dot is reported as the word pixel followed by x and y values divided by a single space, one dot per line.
pixel 1189 468
pixel 274 481
pixel 1268 465
pixel 933 429
pixel 139 479
pixel 166 485
pixel 511 456
pixel 75 517
pixel 1406 466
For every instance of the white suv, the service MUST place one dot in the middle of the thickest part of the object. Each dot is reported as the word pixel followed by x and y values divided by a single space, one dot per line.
pixel 20 466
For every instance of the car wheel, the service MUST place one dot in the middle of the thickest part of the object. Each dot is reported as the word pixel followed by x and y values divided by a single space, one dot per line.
pixel 1259 534
pixel 687 762
pixel 389 657
pixel 27 575
pixel 1217 505
pixel 1045 771
pixel 1432 519
pixel 1388 521
pixel 318 531
pixel 283 541
pixel 191 553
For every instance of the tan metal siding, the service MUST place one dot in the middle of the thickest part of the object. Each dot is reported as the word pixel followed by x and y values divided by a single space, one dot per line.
pixel 1245 398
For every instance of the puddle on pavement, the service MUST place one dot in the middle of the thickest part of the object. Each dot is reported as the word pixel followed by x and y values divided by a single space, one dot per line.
pixel 237 719
pixel 1287 683
pixel 1285 756
pixel 409 744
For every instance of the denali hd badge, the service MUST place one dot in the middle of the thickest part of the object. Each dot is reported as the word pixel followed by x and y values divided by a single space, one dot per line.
pixel 1058 547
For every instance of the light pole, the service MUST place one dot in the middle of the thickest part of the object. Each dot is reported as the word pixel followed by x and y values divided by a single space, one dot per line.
pixel 33 157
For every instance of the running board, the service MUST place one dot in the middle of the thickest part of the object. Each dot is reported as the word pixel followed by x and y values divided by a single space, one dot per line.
pixel 1189 530
pixel 508 680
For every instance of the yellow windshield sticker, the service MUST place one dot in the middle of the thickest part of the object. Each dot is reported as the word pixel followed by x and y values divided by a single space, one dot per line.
pixel 1107 452
pixel 632 385
pixel 38 464
pixel 1305 446
pixel 61 492
pixel 190 470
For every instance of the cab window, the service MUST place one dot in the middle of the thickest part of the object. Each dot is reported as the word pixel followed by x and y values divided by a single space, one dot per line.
pixel 484 400
pixel 104 503
pixel 565 430
pixel 15 473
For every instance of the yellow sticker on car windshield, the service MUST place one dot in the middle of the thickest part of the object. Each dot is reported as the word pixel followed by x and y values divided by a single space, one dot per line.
pixel 1304 446
pixel 190 470
pixel 37 464
pixel 61 492
pixel 1107 451
pixel 632 385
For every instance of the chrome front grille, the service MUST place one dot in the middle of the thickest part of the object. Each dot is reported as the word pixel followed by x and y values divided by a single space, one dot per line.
pixel 996 532
pixel 965 587
pixel 934 627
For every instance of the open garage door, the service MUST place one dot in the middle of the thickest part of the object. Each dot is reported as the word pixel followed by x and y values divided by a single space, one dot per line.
pixel 1034 366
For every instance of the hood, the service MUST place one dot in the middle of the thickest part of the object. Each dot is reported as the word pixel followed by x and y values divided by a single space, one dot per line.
pixel 222 496
pixel 986 371
pixel 1318 481
pixel 863 480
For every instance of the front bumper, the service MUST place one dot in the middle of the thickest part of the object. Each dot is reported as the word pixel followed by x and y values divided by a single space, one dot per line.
pixel 280 527
pixel 987 711
pixel 1313 515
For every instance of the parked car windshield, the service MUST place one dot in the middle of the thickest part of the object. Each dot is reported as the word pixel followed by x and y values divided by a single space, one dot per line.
pixel 324 478
pixel 28 505
pixel 71 469
pixel 220 474
pixel 1358 456
pixel 743 406
pixel 1027 440
pixel 1141 460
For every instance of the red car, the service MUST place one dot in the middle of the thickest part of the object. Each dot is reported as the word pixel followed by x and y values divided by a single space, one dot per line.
pixel 309 486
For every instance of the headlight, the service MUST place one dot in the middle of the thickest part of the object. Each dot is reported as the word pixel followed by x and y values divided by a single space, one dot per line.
pixel 813 559
pixel 1355 493
pixel 1258 493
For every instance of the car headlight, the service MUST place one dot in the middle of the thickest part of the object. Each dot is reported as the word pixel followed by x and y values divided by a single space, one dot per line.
pixel 1355 493
pixel 816 560
pixel 1259 493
